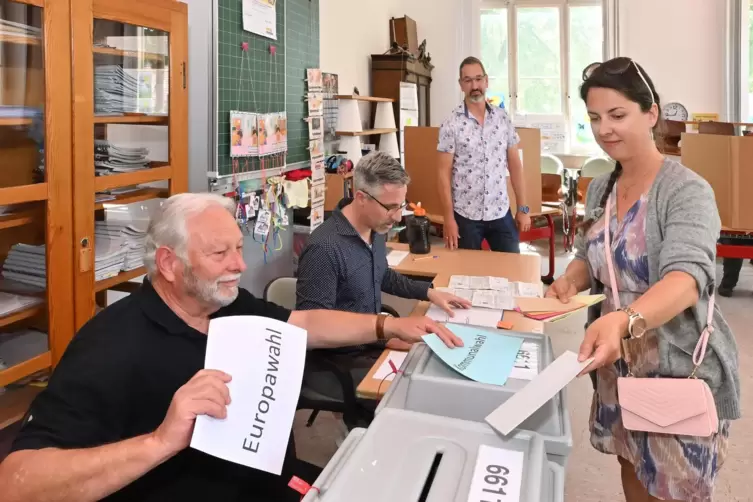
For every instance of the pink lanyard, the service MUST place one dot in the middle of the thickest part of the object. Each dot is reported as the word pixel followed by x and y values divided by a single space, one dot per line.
pixel 700 349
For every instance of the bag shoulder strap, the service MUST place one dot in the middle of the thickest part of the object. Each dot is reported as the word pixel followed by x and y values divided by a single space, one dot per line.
pixel 700 349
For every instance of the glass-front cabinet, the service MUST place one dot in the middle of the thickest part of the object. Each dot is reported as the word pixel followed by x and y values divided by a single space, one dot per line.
pixel 35 197
pixel 130 117
pixel 93 126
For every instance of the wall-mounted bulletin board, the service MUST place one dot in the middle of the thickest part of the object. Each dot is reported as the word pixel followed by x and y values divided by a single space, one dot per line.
pixel 265 83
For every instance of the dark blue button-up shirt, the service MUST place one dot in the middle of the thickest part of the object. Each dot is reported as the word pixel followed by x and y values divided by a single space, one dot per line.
pixel 339 271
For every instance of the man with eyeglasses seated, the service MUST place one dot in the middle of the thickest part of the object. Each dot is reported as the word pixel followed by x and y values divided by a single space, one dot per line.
pixel 478 150
pixel 344 266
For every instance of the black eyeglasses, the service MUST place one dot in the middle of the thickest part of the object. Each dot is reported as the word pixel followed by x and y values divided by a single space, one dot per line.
pixel 390 210
pixel 617 66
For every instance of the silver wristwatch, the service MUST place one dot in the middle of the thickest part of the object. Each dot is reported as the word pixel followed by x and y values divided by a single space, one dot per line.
pixel 636 323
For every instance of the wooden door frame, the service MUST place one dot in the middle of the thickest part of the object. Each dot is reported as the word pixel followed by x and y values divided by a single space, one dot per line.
pixel 59 173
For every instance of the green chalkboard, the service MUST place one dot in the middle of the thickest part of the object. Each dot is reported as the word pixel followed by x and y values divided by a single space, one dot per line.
pixel 262 87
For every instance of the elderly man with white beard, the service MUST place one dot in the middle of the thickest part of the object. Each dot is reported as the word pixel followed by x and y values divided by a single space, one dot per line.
pixel 117 416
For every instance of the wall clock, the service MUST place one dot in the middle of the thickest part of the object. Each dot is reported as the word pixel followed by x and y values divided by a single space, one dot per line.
pixel 675 111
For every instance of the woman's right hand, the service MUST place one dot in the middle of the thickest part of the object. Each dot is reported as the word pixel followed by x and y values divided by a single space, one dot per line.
pixel 562 288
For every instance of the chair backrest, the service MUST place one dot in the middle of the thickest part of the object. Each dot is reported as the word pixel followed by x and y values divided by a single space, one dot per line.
pixel 596 166
pixel 282 292
pixel 551 164
pixel 721 128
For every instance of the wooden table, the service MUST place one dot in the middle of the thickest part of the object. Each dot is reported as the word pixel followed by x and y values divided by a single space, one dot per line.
pixel 515 267
pixel 534 234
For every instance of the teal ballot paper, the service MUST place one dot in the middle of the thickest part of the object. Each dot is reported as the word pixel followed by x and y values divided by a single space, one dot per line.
pixel 485 356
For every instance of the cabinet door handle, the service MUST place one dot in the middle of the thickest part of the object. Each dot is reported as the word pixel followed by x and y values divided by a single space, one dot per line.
pixel 184 73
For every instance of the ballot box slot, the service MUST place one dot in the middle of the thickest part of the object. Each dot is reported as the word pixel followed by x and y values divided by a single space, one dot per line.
pixel 430 478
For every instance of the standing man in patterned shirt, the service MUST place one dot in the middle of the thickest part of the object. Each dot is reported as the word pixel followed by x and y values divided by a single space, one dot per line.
pixel 478 151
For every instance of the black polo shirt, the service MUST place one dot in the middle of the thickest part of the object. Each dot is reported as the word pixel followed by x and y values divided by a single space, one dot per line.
pixel 116 381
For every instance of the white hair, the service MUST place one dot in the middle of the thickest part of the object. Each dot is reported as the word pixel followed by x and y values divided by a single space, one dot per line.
pixel 167 226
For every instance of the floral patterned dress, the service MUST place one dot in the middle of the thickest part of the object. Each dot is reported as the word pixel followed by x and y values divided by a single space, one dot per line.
pixel 670 467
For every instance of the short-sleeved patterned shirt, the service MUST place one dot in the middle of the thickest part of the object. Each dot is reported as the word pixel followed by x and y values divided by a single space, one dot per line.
pixel 479 167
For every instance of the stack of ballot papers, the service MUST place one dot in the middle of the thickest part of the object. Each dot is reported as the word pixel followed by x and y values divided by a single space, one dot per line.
pixel 109 258
pixel 552 309
pixel 500 284
pixel 109 158
pixel 127 236
pixel 10 303
pixel 115 91
pixel 15 30
pixel 26 264
pixel 112 194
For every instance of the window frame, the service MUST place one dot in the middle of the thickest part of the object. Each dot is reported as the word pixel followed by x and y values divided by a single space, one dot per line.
pixel 608 48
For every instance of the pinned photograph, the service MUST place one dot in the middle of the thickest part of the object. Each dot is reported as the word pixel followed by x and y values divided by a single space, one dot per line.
pixel 317 216
pixel 330 83
pixel 317 193
pixel 316 127
pixel 244 136
pixel 316 147
pixel 314 78
pixel 317 171
pixel 316 103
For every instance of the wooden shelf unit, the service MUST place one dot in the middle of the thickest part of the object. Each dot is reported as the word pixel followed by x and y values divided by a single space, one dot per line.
pixel 14 121
pixel 111 51
pixel 41 212
pixel 122 277
pixel 369 99
pixel 60 212
pixel 369 132
pixel 17 219
pixel 120 180
pixel 14 39
pixel 15 402
pixel 168 21
pixel 131 119
pixel 131 197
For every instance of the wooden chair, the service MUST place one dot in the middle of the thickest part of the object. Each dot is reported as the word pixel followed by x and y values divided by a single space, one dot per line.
pixel 551 178
pixel 593 168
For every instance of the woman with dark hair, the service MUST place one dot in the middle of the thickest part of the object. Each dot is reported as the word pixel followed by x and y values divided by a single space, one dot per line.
pixel 663 227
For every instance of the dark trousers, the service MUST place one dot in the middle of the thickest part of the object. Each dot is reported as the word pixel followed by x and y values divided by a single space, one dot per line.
pixel 501 234
pixel 732 267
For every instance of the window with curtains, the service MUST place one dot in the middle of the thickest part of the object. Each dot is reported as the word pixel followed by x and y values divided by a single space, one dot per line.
pixel 535 52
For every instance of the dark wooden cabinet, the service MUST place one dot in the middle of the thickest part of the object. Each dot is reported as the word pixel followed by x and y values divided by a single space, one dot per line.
pixel 388 70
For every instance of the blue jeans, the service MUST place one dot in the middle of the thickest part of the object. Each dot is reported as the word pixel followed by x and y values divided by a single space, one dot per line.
pixel 501 234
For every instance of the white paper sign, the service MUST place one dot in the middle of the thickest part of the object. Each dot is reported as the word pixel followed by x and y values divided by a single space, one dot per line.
pixel 260 17
pixel 385 370
pixel 533 396
pixel 498 476
pixel 265 358
pixel 526 363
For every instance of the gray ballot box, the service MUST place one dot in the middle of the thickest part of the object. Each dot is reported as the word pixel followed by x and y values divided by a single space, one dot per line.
pixel 428 385
pixel 406 456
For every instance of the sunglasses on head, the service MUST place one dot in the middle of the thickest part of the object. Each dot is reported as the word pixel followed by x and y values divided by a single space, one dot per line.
pixel 617 66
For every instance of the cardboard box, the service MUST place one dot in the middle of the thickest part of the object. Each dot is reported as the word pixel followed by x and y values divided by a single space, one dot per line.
pixel 726 162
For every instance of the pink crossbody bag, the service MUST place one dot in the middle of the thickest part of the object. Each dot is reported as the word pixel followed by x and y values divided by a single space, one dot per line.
pixel 682 406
